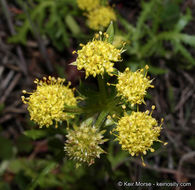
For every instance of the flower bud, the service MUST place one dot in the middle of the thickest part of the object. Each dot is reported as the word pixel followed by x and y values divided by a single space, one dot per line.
pixel 82 144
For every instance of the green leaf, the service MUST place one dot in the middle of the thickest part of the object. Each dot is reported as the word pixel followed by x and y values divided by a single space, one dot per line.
pixel 183 21
pixel 45 171
pixel 21 36
pixel 36 133
pixel 187 39
pixel 170 14
pixel 176 39
pixel 72 24
pixel 185 54
pixel 146 11
pixel 110 32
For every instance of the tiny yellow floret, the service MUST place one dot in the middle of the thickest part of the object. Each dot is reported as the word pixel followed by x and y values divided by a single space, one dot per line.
pixel 137 132
pixel 47 102
pixel 88 5
pixel 101 17
pixel 97 57
pixel 82 144
pixel 132 86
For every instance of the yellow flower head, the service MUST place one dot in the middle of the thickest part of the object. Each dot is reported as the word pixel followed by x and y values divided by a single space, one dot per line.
pixel 137 132
pixel 101 17
pixel 88 4
pixel 46 103
pixel 97 56
pixel 132 86
pixel 82 144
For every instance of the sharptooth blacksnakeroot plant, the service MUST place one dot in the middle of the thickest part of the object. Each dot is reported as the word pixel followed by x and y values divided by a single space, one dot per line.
pixel 53 102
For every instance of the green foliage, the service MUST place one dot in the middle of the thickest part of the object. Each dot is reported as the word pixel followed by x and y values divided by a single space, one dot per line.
pixel 32 173
pixel 48 18
pixel 36 133
pixel 44 172
pixel 160 33
pixel 110 32
pixel 116 158
pixel 6 148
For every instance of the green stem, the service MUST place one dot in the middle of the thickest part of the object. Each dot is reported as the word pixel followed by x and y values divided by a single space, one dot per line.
pixel 101 118
pixel 101 85
pixel 44 172
pixel 72 109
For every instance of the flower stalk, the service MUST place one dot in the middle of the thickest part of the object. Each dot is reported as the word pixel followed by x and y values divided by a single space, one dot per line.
pixel 102 89
pixel 101 118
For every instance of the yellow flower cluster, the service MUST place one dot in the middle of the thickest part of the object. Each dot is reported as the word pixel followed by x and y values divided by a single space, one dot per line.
pixel 82 144
pixel 98 16
pixel 132 86
pixel 88 4
pixel 101 17
pixel 97 56
pixel 137 132
pixel 46 103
